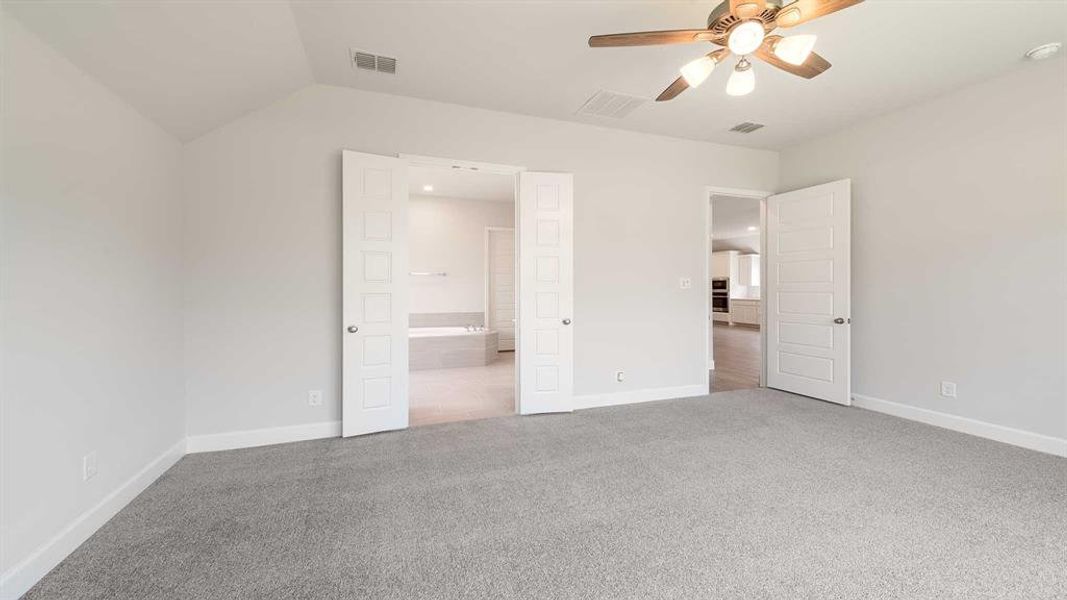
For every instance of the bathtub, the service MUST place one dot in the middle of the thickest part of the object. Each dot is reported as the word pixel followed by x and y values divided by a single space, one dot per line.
pixel 439 331
pixel 450 347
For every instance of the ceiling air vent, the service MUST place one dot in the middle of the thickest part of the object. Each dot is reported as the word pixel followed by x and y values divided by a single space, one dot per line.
pixel 610 104
pixel 746 127
pixel 372 62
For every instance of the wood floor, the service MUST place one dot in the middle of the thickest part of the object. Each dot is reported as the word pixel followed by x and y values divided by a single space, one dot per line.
pixel 737 357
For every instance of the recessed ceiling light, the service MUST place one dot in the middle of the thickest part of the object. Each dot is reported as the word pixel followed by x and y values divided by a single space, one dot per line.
pixel 752 228
pixel 427 188
pixel 1044 51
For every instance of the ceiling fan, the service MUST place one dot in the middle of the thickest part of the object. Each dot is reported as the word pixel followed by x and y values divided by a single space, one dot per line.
pixel 743 28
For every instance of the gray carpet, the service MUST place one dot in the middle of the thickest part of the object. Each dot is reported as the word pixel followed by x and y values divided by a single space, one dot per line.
pixel 750 494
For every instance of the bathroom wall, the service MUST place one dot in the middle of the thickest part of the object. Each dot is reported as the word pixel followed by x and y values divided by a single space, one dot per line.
pixel 448 235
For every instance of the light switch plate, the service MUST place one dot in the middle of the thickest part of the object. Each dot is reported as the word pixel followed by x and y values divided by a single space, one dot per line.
pixel 685 283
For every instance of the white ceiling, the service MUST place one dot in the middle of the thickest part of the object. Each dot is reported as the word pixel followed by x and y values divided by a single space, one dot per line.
pixel 189 66
pixel 194 65
pixel 462 184
pixel 731 216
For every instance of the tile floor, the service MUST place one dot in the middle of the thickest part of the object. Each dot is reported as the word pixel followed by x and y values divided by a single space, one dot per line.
pixel 467 393
pixel 464 393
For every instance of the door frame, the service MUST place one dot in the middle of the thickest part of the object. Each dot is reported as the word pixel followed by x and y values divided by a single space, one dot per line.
pixel 418 160
pixel 761 196
pixel 489 229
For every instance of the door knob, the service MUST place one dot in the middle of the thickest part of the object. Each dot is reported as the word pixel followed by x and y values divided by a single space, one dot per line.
pixel 352 329
pixel 839 321
pixel 566 321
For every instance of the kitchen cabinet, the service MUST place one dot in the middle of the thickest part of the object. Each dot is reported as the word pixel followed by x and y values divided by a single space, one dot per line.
pixel 724 264
pixel 745 312
pixel 748 270
pixel 741 269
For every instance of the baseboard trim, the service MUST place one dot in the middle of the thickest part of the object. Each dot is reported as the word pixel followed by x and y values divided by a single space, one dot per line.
pixel 636 396
pixel 20 578
pixel 999 433
pixel 251 438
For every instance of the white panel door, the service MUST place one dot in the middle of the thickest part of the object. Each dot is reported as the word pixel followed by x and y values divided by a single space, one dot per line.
pixel 546 293
pixel 374 348
pixel 808 291
pixel 501 286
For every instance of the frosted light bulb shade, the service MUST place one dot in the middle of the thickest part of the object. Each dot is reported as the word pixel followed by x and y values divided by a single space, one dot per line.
pixel 746 37
pixel 741 82
pixel 697 71
pixel 795 49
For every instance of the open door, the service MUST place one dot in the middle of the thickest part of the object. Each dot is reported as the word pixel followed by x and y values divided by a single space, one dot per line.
pixel 374 349
pixel 808 291
pixel 546 293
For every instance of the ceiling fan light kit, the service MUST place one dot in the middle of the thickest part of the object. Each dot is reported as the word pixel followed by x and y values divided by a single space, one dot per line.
pixel 795 49
pixel 745 37
pixel 743 80
pixel 697 71
pixel 742 28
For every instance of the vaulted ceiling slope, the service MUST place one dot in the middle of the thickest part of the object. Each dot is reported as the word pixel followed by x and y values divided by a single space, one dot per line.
pixel 189 66
pixel 193 66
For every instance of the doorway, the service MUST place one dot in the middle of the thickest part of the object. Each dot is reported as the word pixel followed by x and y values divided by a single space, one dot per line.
pixel 735 231
pixel 377 285
pixel 804 291
pixel 462 303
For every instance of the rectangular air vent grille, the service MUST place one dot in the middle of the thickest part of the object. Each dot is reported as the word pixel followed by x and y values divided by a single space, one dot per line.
pixel 611 104
pixel 746 127
pixel 373 62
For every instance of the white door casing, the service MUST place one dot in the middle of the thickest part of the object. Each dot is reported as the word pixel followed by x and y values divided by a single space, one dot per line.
pixel 546 293
pixel 374 348
pixel 808 291
pixel 500 285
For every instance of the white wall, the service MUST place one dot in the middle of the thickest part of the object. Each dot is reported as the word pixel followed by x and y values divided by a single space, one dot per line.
pixel 90 296
pixel 448 235
pixel 263 243
pixel 959 248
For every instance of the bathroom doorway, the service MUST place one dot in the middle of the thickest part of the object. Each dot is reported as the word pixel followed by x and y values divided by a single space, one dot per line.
pixel 379 278
pixel 462 259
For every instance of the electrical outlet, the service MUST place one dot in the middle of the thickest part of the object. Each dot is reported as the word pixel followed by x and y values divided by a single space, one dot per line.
pixel 315 398
pixel 619 376
pixel 948 389
pixel 685 283
pixel 89 466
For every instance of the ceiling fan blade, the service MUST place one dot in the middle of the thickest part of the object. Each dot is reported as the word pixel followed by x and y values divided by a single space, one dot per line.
pixel 803 11
pixel 673 90
pixel 651 38
pixel 746 9
pixel 811 67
